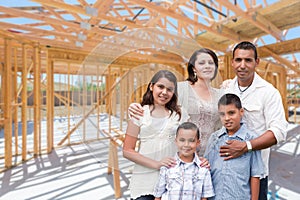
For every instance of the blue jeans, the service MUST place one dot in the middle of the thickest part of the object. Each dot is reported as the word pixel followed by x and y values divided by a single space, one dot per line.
pixel 145 197
pixel 263 189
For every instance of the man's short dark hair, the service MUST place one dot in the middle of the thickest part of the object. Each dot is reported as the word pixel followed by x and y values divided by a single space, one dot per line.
pixel 246 46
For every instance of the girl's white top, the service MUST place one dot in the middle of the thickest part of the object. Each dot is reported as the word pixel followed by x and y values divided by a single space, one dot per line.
pixel 157 141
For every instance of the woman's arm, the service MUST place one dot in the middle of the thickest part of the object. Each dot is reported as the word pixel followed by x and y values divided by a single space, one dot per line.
pixel 130 153
pixel 254 187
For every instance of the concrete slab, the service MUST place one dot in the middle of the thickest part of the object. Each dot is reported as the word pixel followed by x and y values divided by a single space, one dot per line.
pixel 80 172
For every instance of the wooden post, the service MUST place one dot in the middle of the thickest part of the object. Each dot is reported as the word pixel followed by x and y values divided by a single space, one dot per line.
pixel 123 97
pixel 113 166
pixel 50 104
pixel 24 102
pixel 37 101
pixel 84 93
pixel 108 99
pixel 69 99
pixel 130 86
pixel 7 75
pixel 97 100
pixel 113 105
pixel 228 70
pixel 15 100
pixel 283 83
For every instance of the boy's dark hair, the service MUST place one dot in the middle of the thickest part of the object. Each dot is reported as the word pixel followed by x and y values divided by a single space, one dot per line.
pixel 148 95
pixel 193 58
pixel 246 46
pixel 228 99
pixel 189 126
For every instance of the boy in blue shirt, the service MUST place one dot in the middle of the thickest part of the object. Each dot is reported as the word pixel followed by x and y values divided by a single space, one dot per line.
pixel 236 178
pixel 186 180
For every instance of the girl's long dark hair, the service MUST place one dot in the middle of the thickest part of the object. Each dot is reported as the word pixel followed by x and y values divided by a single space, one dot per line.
pixel 148 96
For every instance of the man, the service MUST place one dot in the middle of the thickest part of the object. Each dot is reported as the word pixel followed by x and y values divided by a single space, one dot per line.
pixel 264 112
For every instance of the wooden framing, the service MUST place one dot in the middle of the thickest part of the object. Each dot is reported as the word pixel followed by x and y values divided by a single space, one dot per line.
pixel 114 51
pixel 7 76
pixel 50 105
pixel 37 101
pixel 24 102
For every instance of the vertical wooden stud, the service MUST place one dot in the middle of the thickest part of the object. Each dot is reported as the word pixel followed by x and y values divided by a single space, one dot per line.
pixel 15 100
pixel 37 102
pixel 24 102
pixel 7 75
pixel 50 104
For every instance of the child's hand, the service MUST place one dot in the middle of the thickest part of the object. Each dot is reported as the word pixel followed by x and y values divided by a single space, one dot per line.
pixel 167 162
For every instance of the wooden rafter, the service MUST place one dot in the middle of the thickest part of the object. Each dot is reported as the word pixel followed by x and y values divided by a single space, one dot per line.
pixel 166 12
pixel 117 17
pixel 80 10
pixel 254 18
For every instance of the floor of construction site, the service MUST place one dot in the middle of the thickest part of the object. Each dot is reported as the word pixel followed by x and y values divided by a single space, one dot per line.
pixel 80 172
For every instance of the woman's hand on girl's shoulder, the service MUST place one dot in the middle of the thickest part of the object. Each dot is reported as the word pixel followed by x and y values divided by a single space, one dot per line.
pixel 135 110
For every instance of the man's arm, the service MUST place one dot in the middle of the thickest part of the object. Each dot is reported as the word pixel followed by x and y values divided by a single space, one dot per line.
pixel 264 141
pixel 254 187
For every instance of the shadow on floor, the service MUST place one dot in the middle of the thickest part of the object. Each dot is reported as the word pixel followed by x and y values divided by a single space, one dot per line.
pixel 284 180
pixel 66 173
pixel 80 172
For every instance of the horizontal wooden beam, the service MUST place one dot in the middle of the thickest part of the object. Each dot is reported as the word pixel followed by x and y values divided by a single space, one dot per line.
pixel 233 36
pixel 81 10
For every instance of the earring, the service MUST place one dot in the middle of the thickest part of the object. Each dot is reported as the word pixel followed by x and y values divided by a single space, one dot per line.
pixel 195 75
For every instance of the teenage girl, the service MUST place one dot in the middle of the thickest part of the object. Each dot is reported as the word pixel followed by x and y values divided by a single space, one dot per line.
pixel 156 131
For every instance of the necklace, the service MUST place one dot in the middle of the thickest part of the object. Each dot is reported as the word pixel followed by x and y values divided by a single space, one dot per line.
pixel 246 88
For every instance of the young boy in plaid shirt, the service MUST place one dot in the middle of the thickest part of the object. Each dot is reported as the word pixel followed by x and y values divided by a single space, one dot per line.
pixel 186 180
